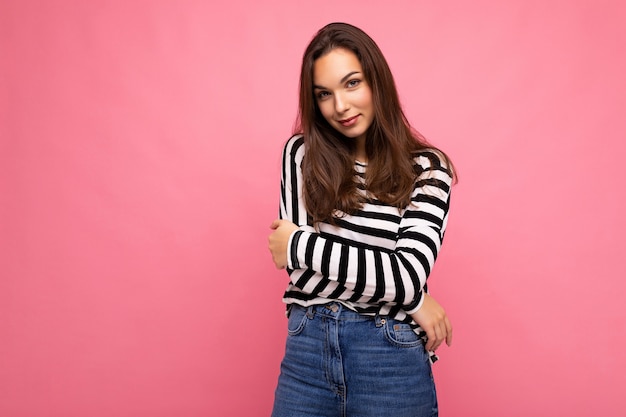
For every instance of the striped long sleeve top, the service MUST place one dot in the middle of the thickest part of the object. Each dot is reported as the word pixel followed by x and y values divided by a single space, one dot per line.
pixel 375 261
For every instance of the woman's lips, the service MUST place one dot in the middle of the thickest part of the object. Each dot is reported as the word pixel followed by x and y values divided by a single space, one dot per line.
pixel 349 122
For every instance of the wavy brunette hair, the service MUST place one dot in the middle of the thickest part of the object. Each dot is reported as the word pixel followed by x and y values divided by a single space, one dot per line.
pixel 391 144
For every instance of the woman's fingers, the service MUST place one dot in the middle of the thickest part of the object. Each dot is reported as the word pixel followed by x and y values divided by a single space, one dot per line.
pixel 278 241
pixel 448 332
pixel 432 318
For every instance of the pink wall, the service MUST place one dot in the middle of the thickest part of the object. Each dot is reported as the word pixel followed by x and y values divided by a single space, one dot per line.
pixel 139 163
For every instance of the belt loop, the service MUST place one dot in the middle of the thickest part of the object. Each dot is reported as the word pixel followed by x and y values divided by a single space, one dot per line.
pixel 380 321
pixel 310 312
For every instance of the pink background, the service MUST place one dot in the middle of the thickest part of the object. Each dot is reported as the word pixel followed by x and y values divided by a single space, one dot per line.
pixel 139 172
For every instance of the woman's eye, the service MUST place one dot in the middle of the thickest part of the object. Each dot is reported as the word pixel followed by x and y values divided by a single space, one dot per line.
pixel 353 83
pixel 322 94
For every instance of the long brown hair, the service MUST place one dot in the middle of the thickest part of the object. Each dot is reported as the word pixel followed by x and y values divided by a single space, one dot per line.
pixel 391 144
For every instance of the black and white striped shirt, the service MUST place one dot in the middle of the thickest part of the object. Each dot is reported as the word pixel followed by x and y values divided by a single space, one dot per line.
pixel 375 261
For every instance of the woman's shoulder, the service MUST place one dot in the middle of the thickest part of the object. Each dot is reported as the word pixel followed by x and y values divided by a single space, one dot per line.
pixel 295 141
pixel 294 147
pixel 431 158
pixel 433 164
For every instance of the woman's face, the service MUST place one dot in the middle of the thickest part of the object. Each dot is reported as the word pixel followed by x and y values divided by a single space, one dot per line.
pixel 342 93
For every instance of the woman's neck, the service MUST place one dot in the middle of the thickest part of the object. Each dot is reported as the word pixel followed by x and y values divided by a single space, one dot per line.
pixel 360 154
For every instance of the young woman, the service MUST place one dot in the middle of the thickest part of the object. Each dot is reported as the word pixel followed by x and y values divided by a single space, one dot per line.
pixel 364 207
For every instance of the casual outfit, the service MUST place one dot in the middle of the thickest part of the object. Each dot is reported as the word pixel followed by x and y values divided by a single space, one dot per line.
pixel 352 348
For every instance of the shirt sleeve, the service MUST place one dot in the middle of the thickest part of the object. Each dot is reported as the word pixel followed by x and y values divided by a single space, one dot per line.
pixel 292 206
pixel 323 267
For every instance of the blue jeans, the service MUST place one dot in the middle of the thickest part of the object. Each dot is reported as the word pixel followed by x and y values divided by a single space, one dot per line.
pixel 339 363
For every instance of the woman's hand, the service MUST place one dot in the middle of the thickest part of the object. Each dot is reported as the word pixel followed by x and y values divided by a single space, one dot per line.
pixel 433 319
pixel 279 239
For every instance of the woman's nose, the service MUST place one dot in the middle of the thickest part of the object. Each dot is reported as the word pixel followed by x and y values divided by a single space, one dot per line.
pixel 341 104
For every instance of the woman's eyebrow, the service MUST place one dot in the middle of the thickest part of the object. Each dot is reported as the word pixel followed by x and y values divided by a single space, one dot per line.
pixel 343 80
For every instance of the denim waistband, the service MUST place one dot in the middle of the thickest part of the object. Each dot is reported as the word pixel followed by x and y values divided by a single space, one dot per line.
pixel 337 311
